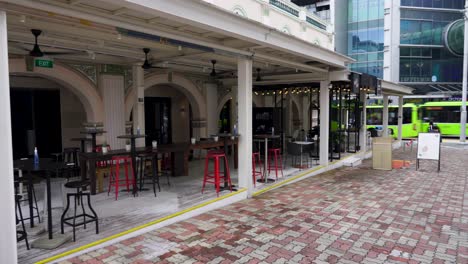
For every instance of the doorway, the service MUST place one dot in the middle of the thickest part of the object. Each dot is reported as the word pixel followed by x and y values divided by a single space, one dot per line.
pixel 35 122
pixel 158 120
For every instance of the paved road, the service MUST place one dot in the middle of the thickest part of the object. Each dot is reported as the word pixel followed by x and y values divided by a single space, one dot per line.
pixel 350 215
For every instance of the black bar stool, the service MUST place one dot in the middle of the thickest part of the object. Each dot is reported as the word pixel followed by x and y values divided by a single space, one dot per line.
pixel 70 162
pixel 78 197
pixel 20 234
pixel 166 165
pixel 31 192
pixel 143 158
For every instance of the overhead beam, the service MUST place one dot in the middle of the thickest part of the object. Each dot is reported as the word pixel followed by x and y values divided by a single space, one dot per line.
pixel 141 26
pixel 153 20
pixel 218 20
pixel 75 2
pixel 120 11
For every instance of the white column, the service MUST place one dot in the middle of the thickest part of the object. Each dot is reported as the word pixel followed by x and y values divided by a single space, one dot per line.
pixel 8 250
pixel 385 116
pixel 112 87
pixel 400 117
pixel 139 104
pixel 244 97
pixel 363 131
pixel 234 102
pixel 324 122
pixel 211 95
pixel 465 79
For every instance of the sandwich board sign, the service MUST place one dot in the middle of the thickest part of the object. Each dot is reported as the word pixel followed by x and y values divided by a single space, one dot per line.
pixel 428 148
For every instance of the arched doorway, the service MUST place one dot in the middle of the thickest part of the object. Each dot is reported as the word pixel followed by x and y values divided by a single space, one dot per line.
pixel 295 117
pixel 224 121
pixel 48 107
pixel 192 108
pixel 167 114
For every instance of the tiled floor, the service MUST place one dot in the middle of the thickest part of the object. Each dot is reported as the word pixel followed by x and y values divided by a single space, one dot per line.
pixel 128 211
pixel 350 215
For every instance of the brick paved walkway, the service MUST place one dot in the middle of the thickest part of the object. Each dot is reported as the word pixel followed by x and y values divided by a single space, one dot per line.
pixel 350 215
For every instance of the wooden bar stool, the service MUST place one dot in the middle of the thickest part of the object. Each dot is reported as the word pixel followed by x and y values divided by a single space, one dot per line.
pixel 114 178
pixel 255 172
pixel 274 156
pixel 215 175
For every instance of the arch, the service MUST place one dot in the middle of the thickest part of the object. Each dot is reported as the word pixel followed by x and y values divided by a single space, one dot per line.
pixel 295 115
pixel 70 79
pixel 286 30
pixel 187 87
pixel 228 96
pixel 223 101
pixel 296 103
pixel 238 10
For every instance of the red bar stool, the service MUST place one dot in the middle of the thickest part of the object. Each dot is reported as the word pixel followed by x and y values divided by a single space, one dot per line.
pixel 216 176
pixel 274 155
pixel 114 179
pixel 255 172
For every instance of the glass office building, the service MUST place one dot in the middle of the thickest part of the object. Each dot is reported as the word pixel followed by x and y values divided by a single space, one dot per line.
pixel 424 57
pixel 366 35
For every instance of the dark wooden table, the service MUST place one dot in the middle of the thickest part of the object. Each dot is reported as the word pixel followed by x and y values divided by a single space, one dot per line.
pixel 209 144
pixel 43 170
pixel 88 160
pixel 93 133
pixel 83 141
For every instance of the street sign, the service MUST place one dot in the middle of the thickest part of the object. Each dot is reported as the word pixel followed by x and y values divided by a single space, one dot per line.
pixel 44 63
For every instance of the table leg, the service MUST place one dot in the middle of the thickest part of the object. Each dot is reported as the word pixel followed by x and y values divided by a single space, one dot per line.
pixel 92 176
pixel 83 147
pixel 236 157
pixel 301 157
pixel 133 154
pixel 266 161
pixel 49 206
pixel 30 199
pixel 93 142
pixel 226 186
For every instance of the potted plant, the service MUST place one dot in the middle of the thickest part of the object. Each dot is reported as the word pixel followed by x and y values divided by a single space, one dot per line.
pixel 338 142
pixel 128 147
pixel 104 147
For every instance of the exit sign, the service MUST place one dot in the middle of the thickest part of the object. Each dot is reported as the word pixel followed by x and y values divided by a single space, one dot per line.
pixel 44 63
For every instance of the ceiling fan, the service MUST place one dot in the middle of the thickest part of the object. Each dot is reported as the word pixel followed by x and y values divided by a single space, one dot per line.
pixel 37 52
pixel 147 65
pixel 217 74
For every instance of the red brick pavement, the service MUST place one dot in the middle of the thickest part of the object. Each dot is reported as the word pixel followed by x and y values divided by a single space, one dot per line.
pixel 350 215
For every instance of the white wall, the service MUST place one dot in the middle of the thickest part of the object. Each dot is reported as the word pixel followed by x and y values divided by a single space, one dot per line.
pixel 180 119
pixel 262 12
pixel 73 116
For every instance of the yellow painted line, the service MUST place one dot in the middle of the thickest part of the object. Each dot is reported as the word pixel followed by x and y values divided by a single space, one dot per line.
pixel 95 243
pixel 286 181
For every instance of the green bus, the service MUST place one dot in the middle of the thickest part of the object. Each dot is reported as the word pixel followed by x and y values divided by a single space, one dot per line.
pixel 445 115
pixel 411 123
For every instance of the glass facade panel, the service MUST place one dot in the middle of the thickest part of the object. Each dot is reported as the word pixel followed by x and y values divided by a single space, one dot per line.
pixel 450 4
pixel 422 64
pixel 366 35
pixel 426 27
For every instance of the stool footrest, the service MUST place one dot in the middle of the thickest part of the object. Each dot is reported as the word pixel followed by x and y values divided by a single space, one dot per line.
pixel 91 220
